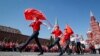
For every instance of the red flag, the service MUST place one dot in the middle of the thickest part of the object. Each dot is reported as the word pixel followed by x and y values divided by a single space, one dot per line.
pixel 67 35
pixel 69 30
pixel 31 13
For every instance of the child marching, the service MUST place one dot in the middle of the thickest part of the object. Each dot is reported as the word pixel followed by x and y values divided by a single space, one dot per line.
pixel 66 38
pixel 32 14
pixel 57 34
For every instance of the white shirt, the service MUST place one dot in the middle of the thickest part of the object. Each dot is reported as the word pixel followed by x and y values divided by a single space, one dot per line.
pixel 96 46
pixel 72 39
pixel 77 39
pixel 83 42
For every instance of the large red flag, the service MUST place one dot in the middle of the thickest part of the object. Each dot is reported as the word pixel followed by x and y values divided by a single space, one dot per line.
pixel 31 13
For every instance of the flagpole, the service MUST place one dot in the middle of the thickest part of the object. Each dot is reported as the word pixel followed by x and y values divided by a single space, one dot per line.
pixel 49 23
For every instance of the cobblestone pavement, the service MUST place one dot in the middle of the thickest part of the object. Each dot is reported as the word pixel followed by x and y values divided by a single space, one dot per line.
pixel 35 54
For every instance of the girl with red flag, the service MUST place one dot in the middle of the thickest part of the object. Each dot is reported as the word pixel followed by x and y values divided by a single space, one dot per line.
pixel 66 37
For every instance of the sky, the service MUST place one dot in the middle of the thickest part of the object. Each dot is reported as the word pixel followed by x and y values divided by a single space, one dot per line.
pixel 72 12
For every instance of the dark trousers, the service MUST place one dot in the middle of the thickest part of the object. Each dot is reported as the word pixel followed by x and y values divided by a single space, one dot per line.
pixel 56 41
pixel 93 51
pixel 67 49
pixel 34 36
pixel 78 46
pixel 99 50
pixel 82 48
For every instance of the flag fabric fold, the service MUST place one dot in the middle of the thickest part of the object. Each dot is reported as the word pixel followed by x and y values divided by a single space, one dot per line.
pixel 31 13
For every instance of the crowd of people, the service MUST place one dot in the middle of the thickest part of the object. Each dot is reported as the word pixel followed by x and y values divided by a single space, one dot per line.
pixel 14 46
pixel 7 46
pixel 77 46
pixel 80 46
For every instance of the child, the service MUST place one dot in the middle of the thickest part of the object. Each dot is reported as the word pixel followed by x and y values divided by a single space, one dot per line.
pixel 36 28
pixel 57 34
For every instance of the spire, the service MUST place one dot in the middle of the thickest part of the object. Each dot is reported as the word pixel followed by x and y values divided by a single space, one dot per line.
pixel 91 14
pixel 56 24
pixel 56 21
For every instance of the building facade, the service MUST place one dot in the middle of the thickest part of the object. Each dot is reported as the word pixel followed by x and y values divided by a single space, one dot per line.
pixel 14 35
pixel 9 29
pixel 94 35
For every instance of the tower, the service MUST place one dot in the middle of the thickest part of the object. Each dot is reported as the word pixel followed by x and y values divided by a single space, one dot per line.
pixel 95 28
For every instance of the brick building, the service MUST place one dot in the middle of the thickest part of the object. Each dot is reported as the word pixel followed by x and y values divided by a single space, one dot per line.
pixel 94 35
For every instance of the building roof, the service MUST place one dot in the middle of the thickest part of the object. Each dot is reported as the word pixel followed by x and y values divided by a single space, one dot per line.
pixel 9 29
